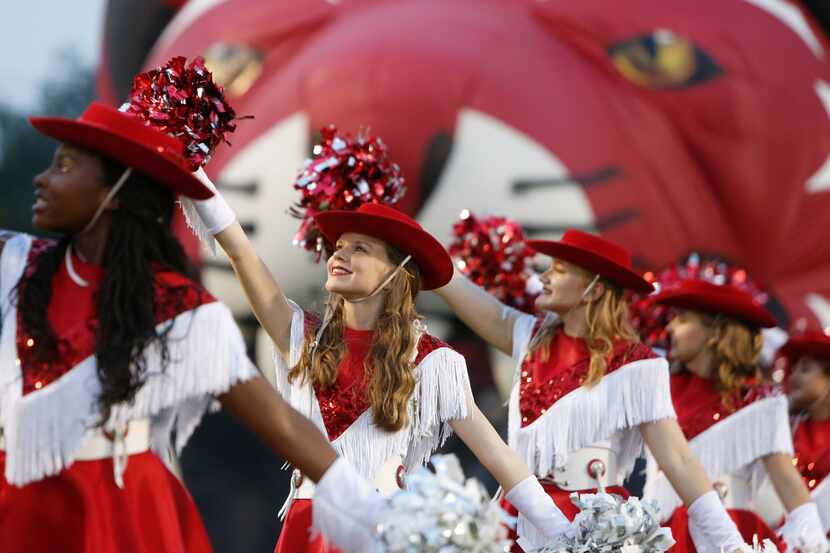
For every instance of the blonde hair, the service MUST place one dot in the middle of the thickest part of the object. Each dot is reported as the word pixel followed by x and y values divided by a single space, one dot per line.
pixel 607 322
pixel 389 363
pixel 736 349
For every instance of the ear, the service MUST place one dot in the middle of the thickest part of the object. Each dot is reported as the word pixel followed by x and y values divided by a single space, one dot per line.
pixel 597 291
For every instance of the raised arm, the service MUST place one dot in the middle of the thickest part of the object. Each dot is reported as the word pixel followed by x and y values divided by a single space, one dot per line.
pixel 487 316
pixel 261 288
pixel 263 292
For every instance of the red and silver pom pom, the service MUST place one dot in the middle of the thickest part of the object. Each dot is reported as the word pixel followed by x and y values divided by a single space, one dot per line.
pixel 650 320
pixel 182 100
pixel 607 523
pixel 492 253
pixel 344 173
pixel 442 512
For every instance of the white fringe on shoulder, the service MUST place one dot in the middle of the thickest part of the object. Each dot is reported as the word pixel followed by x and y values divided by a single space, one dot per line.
pixel 439 398
pixel 12 264
pixel 733 445
pixel 44 429
pixel 632 395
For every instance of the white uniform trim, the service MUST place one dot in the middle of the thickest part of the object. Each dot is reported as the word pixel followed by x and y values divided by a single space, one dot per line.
pixel 734 446
pixel 45 429
pixel 634 394
pixel 439 398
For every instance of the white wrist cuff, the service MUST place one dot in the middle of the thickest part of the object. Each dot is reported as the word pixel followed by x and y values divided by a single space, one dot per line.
pixel 802 530
pixel 710 526
pixel 540 520
pixel 345 509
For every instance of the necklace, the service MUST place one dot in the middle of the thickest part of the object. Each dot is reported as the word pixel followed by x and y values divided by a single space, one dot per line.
pixel 70 268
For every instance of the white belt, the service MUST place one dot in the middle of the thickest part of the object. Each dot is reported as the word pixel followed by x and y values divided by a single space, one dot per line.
pixel 589 467
pixel 734 492
pixel 388 479
pixel 119 445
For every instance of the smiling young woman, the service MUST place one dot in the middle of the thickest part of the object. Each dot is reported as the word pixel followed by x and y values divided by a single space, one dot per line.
pixel 385 391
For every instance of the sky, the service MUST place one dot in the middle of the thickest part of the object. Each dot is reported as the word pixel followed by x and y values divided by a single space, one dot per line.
pixel 34 34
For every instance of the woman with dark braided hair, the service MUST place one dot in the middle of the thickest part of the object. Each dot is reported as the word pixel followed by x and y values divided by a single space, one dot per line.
pixel 735 422
pixel 109 351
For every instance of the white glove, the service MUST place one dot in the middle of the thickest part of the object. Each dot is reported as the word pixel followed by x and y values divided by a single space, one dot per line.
pixel 207 217
pixel 802 530
pixel 711 528
pixel 540 520
pixel 345 509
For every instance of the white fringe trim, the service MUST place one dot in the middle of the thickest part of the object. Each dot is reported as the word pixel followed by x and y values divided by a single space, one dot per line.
pixel 12 265
pixel 634 394
pixel 731 446
pixel 196 225
pixel 207 357
pixel 439 398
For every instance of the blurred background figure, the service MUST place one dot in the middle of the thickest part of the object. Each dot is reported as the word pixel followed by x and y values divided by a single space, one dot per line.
pixel 669 126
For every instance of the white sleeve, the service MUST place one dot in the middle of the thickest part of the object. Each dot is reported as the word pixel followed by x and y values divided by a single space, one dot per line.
pixel 296 342
pixel 522 330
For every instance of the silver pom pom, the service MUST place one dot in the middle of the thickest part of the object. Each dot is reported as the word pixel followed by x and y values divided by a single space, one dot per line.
pixel 441 512
pixel 607 524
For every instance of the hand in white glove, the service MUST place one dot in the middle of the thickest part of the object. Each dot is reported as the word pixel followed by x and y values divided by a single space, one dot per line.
pixel 712 530
pixel 540 520
pixel 802 530
pixel 346 508
pixel 207 217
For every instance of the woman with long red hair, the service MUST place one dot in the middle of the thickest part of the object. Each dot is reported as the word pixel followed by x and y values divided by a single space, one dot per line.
pixel 366 371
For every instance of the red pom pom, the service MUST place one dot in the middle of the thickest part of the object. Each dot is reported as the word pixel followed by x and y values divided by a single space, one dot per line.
pixel 344 173
pixel 181 99
pixel 492 253
pixel 650 320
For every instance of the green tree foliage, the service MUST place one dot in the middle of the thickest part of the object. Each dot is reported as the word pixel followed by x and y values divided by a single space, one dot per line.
pixel 24 152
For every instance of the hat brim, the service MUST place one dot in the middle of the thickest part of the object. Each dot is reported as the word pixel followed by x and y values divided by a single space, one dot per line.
pixel 132 154
pixel 617 274
pixel 431 257
pixel 716 303
pixel 798 346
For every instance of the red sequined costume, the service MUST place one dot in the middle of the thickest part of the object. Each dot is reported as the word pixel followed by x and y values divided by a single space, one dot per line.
pixel 344 414
pixel 811 442
pixel 730 437
pixel 55 495
pixel 554 420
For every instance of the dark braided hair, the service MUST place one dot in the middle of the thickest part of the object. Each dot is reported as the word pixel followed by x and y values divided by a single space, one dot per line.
pixel 140 241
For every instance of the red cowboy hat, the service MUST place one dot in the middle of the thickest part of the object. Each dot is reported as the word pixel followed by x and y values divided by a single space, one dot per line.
pixel 393 227
pixel 125 138
pixel 700 295
pixel 597 255
pixel 815 344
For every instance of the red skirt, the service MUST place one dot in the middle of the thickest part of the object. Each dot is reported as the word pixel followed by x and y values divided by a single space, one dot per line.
pixel 748 523
pixel 296 532
pixel 81 510
pixel 562 498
